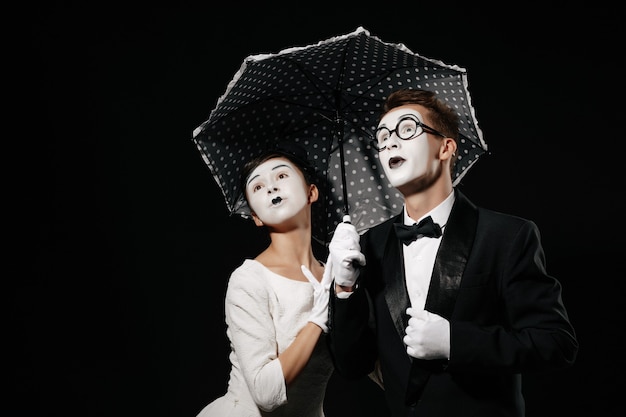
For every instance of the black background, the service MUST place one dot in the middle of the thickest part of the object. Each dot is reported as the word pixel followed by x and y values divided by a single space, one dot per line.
pixel 124 243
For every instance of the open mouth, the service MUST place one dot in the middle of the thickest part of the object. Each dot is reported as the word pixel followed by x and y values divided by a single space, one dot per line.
pixel 395 162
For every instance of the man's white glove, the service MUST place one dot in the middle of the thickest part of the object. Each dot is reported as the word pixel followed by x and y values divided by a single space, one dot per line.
pixel 321 295
pixel 345 254
pixel 427 335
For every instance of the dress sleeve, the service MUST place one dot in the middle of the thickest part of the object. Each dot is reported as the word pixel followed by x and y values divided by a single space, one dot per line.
pixel 248 309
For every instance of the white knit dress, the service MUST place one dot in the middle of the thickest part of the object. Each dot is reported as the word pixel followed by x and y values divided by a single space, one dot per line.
pixel 264 313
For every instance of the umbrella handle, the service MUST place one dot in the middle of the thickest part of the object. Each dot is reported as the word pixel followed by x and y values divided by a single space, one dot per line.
pixel 347 218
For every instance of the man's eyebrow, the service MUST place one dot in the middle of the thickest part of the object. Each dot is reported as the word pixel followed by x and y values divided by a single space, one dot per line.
pixel 276 167
pixel 411 115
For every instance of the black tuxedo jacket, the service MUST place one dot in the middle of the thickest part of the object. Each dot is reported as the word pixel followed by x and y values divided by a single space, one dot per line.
pixel 506 317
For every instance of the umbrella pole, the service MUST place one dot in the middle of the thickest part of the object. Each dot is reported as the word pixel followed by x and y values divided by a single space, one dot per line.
pixel 339 133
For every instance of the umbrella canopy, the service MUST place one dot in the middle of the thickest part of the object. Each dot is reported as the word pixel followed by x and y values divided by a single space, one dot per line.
pixel 327 97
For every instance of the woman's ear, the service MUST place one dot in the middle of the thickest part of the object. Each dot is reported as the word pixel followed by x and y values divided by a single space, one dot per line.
pixel 314 193
pixel 256 220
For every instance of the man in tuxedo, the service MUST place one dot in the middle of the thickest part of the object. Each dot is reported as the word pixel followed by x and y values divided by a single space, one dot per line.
pixel 447 303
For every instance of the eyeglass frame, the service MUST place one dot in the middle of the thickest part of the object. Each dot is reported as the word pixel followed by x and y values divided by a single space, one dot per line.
pixel 418 122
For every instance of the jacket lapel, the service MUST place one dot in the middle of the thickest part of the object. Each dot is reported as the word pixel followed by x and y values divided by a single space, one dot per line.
pixel 449 265
pixel 452 256
pixel 396 294
pixel 450 262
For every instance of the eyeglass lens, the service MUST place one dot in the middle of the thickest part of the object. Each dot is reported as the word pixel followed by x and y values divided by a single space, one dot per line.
pixel 406 128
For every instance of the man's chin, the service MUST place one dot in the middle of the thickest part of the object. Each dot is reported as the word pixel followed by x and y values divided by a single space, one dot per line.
pixel 409 186
pixel 397 180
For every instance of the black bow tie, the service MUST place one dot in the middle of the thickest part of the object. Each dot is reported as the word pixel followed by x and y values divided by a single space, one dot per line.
pixel 426 227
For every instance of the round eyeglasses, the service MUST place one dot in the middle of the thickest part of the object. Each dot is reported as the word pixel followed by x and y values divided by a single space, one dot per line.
pixel 409 127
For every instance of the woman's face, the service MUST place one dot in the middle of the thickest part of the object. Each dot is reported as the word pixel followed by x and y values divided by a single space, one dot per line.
pixel 276 191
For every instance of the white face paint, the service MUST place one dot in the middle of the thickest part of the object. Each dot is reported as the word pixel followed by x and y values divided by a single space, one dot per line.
pixel 405 160
pixel 276 191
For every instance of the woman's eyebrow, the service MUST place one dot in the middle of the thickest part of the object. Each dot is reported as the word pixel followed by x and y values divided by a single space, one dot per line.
pixel 276 167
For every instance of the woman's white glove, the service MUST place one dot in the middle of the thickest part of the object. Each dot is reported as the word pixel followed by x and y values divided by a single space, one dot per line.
pixel 321 296
pixel 344 251
pixel 427 335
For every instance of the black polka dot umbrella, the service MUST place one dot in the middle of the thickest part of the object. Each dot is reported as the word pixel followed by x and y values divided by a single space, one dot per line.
pixel 327 97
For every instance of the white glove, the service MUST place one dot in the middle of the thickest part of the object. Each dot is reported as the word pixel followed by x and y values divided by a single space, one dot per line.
pixel 321 295
pixel 427 335
pixel 345 254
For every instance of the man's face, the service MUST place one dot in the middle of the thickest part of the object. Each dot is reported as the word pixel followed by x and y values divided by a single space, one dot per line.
pixel 405 161
pixel 276 191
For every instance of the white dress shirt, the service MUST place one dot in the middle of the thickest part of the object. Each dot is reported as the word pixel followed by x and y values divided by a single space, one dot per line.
pixel 419 255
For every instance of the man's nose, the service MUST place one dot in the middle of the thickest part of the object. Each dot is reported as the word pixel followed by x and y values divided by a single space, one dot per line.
pixel 393 141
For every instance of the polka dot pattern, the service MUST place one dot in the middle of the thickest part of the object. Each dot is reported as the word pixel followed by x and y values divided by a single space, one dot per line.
pixel 327 97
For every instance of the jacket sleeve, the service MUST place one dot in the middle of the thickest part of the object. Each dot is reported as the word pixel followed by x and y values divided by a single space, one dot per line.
pixel 352 338
pixel 352 342
pixel 533 331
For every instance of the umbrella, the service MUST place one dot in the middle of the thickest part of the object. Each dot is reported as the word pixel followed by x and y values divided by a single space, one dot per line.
pixel 327 98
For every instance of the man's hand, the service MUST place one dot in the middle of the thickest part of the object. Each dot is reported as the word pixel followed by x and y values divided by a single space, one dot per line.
pixel 345 255
pixel 321 295
pixel 427 335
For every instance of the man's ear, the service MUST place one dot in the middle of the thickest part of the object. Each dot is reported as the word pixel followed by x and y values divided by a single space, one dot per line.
pixel 314 193
pixel 447 149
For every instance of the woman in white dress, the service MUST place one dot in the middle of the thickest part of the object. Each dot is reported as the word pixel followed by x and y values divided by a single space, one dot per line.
pixel 277 303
